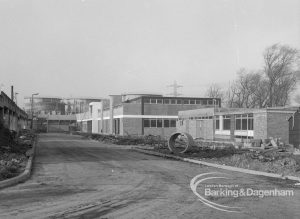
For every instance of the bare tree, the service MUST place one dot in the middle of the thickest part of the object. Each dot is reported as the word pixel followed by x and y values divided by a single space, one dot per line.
pixel 297 98
pixel 280 70
pixel 215 91
pixel 246 91
pixel 269 87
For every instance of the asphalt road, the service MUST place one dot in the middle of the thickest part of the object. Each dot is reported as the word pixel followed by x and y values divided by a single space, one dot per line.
pixel 77 178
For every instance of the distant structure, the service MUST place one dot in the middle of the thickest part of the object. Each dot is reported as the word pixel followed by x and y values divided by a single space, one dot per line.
pixel 12 116
pixel 44 105
pixel 56 114
pixel 175 87
pixel 52 105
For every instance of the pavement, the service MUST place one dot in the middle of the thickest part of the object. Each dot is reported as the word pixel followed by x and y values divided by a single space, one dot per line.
pixel 77 178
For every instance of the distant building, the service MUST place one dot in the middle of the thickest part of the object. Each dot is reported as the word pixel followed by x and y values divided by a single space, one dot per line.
pixel 74 105
pixel 139 114
pixel 44 105
pixel 50 105
pixel 56 114
pixel 238 124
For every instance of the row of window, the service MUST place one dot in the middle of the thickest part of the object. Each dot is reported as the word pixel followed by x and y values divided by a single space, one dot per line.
pixel 181 101
pixel 159 123
pixel 200 117
pixel 242 122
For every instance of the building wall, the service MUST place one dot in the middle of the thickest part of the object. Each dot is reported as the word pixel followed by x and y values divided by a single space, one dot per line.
pixel 197 128
pixel 205 129
pixel 84 126
pixel 196 112
pixel 182 126
pixel 164 132
pixel 132 126
pixel 106 126
pixel 131 109
pixel 95 127
pixel 260 125
pixel 294 130
pixel 278 126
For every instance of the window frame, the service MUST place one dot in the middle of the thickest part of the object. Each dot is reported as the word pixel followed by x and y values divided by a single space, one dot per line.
pixel 159 123
pixel 166 121
pixel 226 121
pixel 172 123
pixel 151 125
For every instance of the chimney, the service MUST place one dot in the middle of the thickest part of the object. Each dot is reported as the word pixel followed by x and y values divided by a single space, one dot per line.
pixel 12 93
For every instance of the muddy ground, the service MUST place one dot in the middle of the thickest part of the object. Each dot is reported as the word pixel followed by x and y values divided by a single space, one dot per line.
pixel 76 178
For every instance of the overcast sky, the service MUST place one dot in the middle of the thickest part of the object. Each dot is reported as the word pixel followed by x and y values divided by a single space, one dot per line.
pixel 101 47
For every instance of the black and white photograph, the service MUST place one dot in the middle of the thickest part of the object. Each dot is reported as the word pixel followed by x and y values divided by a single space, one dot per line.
pixel 149 109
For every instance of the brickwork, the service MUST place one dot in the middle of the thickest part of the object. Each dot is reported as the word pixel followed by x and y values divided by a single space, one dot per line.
pixel 164 132
pixel 294 129
pixel 132 126
pixel 278 126
pixel 260 125
pixel 132 109
pixel 192 128
pixel 197 112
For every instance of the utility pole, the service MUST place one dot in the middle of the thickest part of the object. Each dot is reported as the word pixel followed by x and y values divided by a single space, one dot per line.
pixel 32 108
pixel 175 87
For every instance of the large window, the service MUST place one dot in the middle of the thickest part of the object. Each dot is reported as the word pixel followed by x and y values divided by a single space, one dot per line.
pixel 250 121
pixel 166 123
pixel 159 123
pixel 192 101
pixel 179 101
pixel 173 101
pixel 146 123
pixel 159 101
pixel 226 122
pixel 153 123
pixel 244 122
pixel 153 100
pixel 185 101
pixel 173 123
pixel 217 122
pixel 238 122
pixel 146 100
pixel 167 101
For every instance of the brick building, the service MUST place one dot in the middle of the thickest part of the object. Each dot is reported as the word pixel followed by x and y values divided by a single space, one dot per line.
pixel 294 129
pixel 139 114
pixel 237 124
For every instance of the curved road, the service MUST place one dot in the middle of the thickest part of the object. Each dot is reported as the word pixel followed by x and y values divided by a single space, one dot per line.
pixel 77 178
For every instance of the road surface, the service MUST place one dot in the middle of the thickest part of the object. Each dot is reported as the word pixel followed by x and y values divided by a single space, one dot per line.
pixel 77 178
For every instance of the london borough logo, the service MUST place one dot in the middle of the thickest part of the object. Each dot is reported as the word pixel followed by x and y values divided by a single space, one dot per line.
pixel 205 191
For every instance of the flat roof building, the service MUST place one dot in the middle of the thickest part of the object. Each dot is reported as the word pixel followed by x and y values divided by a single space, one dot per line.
pixel 237 124
pixel 139 114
